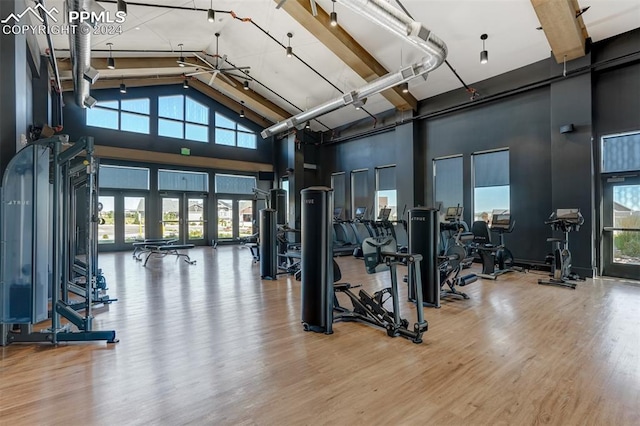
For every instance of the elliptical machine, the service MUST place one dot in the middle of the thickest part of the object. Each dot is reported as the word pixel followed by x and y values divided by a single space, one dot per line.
pixel 565 220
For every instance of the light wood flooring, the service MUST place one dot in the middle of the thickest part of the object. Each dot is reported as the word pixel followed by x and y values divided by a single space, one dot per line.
pixel 211 344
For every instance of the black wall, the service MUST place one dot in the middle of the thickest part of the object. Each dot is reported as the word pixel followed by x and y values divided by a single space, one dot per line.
pixel 520 123
pixel 521 110
pixel 75 119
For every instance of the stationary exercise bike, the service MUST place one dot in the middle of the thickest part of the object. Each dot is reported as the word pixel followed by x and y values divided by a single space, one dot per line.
pixel 565 220
pixel 496 259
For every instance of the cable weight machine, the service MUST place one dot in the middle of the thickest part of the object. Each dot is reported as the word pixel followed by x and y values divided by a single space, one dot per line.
pixel 36 278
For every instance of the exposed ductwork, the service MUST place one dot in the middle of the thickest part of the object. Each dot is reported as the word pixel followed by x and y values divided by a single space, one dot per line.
pixel 398 23
pixel 80 48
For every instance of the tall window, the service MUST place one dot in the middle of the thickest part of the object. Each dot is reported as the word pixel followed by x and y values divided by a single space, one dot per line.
pixel 128 115
pixel 386 191
pixel 447 181
pixel 490 183
pixel 230 133
pixel 181 117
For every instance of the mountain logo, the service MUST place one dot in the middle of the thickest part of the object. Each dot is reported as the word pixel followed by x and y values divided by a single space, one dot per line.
pixel 34 11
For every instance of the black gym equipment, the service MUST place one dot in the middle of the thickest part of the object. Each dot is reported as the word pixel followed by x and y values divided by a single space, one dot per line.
pixel 564 220
pixel 317 260
pixel 320 272
pixel 27 288
pixel 496 258
pixel 380 254
pixel 268 245
pixel 454 259
pixel 424 235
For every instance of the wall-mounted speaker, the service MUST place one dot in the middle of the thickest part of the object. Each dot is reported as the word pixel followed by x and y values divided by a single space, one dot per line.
pixel 567 128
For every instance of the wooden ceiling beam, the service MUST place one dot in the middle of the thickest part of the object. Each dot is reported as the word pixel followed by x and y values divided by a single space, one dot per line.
pixel 566 33
pixel 346 48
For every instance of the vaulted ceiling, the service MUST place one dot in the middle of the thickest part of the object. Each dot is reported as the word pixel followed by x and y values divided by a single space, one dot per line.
pixel 330 60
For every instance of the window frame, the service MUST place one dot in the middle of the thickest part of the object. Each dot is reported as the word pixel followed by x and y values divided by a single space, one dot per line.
pixel 236 132
pixel 120 111
pixel 473 179
pixel 184 121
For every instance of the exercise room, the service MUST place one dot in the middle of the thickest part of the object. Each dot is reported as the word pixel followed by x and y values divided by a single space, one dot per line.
pixel 308 212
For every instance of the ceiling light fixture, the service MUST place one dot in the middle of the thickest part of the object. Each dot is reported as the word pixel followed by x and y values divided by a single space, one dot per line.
pixel 185 84
pixel 404 87
pixel 111 63
pixel 211 14
pixel 289 48
pixel 334 15
pixel 245 86
pixel 242 110
pixel 181 60
pixel 307 125
pixel 122 6
pixel 123 87
pixel 484 55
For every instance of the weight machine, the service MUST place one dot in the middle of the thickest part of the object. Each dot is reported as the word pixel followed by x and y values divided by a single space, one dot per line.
pixel 29 222
pixel 564 220
pixel 320 275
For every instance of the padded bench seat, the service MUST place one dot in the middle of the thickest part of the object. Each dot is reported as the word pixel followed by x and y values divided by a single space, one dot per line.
pixel 161 250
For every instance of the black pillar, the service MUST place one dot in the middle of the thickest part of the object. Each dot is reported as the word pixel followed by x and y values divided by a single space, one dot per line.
pixel 317 259
pixel 424 235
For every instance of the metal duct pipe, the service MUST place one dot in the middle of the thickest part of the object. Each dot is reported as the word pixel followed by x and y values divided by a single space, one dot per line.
pixel 80 48
pixel 398 23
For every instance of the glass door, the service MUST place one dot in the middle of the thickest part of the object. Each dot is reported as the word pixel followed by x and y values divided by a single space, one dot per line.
pixel 121 219
pixel 184 218
pixel 236 217
pixel 196 219
pixel 245 218
pixel 106 219
pixel 621 220
pixel 134 219
pixel 225 219
pixel 171 218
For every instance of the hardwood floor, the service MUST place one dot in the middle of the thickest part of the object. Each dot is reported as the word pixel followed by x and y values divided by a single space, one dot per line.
pixel 212 344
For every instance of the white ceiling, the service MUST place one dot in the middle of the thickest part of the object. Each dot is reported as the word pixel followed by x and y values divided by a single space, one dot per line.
pixel 510 24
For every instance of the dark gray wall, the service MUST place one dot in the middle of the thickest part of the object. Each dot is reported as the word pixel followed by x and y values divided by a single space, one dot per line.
pixel 366 153
pixel 521 110
pixel 520 123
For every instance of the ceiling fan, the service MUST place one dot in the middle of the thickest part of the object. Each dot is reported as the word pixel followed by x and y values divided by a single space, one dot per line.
pixel 216 67
pixel 314 10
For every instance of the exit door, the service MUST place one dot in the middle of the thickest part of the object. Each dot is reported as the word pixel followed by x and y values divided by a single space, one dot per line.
pixel 621 227
pixel 184 218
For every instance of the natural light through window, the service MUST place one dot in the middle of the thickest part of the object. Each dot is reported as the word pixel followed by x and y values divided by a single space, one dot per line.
pixel 131 115
pixel 230 133
pixel 181 117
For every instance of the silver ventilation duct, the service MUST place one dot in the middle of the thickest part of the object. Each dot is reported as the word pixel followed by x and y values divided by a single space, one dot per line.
pixel 398 23
pixel 80 48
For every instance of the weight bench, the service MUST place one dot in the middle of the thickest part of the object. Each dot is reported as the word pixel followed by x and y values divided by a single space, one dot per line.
pixel 255 251
pixel 167 249
pixel 139 246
